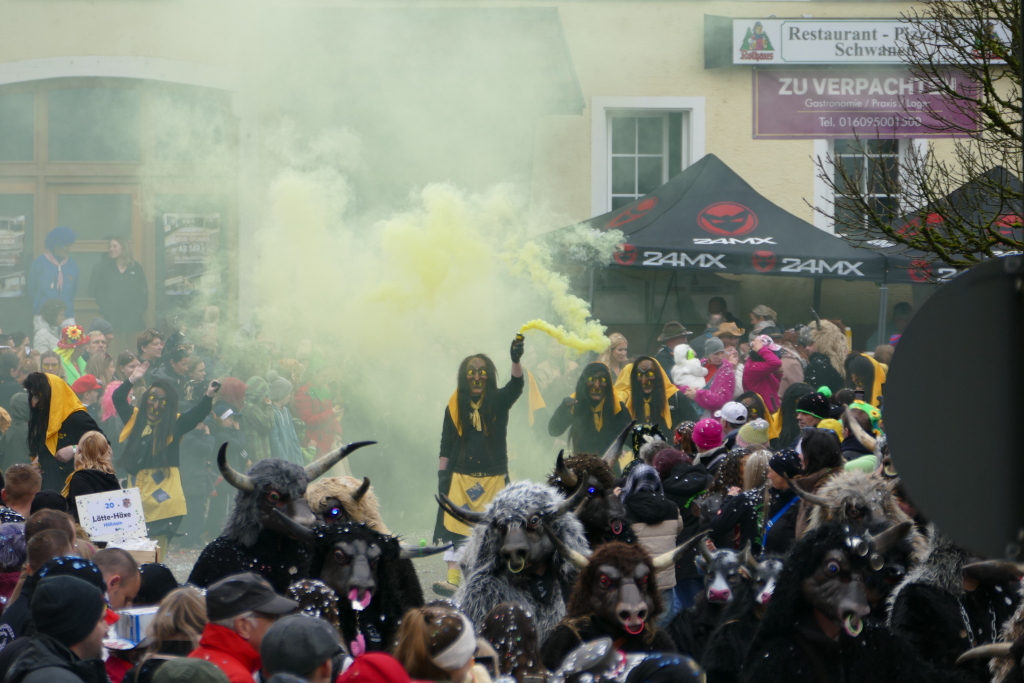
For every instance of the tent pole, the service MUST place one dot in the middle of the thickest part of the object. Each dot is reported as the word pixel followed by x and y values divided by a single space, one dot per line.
pixel 883 309
pixel 591 290
pixel 816 298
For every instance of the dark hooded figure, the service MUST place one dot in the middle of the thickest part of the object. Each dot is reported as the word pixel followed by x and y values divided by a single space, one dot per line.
pixel 651 397
pixel 594 415
pixel 153 434
pixel 473 463
pixel 57 421
pixel 813 630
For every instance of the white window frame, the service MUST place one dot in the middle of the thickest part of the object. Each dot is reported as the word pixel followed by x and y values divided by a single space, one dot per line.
pixel 824 196
pixel 602 108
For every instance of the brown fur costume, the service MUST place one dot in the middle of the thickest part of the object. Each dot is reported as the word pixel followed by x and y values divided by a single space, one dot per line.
pixel 365 511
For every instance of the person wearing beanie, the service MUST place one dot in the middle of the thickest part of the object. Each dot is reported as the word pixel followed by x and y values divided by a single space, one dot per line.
pixel 709 438
pixel 754 434
pixel 103 328
pixel 284 440
pixel 783 503
pixel 54 274
pixel 811 409
pixel 257 419
pixel 721 379
pixel 71 619
pixel 834 426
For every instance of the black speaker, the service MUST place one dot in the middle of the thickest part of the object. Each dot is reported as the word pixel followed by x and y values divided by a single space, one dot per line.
pixel 954 407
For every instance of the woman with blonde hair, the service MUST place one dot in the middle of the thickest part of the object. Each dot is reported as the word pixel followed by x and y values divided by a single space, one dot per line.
pixel 101 366
pixel 616 356
pixel 761 318
pixel 50 363
pixel 741 518
pixel 174 632
pixel 826 344
pixel 94 470
pixel 437 644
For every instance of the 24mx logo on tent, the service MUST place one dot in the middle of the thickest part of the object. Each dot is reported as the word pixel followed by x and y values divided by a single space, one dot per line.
pixel 683 260
pixel 819 266
pixel 633 212
pixel 763 261
pixel 727 218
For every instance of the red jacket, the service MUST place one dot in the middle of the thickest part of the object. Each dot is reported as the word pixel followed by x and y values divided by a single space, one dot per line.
pixel 228 652
pixel 321 422
pixel 764 376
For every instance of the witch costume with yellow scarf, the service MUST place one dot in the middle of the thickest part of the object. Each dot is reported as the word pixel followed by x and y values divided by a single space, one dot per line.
pixel 151 455
pixel 650 396
pixel 57 420
pixel 593 424
pixel 474 441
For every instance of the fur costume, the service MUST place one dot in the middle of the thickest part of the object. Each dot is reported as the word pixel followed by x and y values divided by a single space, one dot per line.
pixel 486 583
pixel 940 619
pixel 788 647
pixel 688 371
pixel 364 511
pixel 1007 669
pixel 591 466
pixel 691 629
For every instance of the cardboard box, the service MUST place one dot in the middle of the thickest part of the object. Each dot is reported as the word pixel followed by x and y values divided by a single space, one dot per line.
pixel 133 623
pixel 144 556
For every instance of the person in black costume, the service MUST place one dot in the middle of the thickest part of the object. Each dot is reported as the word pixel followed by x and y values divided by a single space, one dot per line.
pixel 57 422
pixel 594 415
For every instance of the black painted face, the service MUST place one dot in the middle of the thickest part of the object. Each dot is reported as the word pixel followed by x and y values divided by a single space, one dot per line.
pixel 156 403
pixel 621 598
pixel 297 509
pixel 476 376
pixel 524 546
pixel 351 570
pixel 837 590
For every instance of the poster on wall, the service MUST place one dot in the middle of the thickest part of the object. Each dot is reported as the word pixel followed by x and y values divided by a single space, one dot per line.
pixel 191 253
pixel 846 103
pixel 12 250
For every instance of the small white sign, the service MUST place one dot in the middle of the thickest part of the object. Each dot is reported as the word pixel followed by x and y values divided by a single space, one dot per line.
pixel 113 515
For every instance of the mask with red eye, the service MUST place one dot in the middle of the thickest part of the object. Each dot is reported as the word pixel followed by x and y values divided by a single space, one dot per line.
pixel 605 581
pixel 273 497
pixel 643 582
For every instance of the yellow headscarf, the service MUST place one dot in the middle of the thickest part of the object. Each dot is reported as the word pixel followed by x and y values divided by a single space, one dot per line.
pixel 624 387
pixel 880 372
pixel 63 403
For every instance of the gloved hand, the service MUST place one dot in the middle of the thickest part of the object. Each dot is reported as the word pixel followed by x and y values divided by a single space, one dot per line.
pixel 569 401
pixel 517 349
pixel 444 481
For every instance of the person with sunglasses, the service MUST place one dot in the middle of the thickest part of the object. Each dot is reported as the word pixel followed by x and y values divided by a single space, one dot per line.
pixel 473 463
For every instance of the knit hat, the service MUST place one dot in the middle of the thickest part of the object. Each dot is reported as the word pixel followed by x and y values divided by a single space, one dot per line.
pixel 100 325
pixel 833 425
pixel 733 412
pixel 280 388
pixel 189 670
pixel 786 463
pixel 72 337
pixel 298 644
pixel 373 667
pixel 256 390
pixel 708 434
pixel 85 383
pixel 59 237
pixel 665 460
pixel 753 433
pixel 157 582
pixel 66 608
pixel 78 567
pixel 713 345
pixel 232 392
pixel 813 404
pixel 48 499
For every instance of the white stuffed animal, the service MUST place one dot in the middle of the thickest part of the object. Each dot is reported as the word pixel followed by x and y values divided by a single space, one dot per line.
pixel 688 372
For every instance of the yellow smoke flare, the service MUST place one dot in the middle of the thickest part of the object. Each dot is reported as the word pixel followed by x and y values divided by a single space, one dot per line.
pixel 592 340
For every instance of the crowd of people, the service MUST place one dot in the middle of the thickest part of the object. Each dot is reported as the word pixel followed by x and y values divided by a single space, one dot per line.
pixel 724 509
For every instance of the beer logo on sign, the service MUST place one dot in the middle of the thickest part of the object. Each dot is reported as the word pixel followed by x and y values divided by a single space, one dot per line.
pixel 727 218
pixel 626 256
pixel 756 45
pixel 763 261
pixel 633 212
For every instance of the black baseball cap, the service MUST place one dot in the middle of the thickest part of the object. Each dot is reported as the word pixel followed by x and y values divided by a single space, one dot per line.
pixel 298 644
pixel 242 593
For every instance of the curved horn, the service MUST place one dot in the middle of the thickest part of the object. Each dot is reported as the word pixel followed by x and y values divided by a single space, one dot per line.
pixel 240 481
pixel 817 319
pixel 812 498
pixel 567 476
pixel 414 552
pixel 572 501
pixel 302 533
pixel 885 541
pixel 994 571
pixel 318 467
pixel 747 558
pixel 576 559
pixel 869 442
pixel 615 449
pixel 666 560
pixel 986 652
pixel 704 552
pixel 468 517
pixel 361 491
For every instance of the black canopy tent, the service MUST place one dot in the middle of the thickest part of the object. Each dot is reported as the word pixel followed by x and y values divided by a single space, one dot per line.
pixel 980 202
pixel 709 219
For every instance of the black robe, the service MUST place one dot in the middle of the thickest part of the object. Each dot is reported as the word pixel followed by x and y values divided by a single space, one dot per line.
pixel 583 436
pixel 572 633
pixel 74 427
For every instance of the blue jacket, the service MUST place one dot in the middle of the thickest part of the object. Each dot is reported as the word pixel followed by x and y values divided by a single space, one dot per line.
pixel 284 441
pixel 42 284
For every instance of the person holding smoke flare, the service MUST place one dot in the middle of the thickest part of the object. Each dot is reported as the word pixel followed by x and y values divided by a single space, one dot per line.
pixel 57 422
pixel 153 433
pixel 473 465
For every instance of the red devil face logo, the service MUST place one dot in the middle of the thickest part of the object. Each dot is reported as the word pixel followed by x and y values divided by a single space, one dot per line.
pixel 626 256
pixel 763 261
pixel 727 218
pixel 633 212
pixel 920 271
